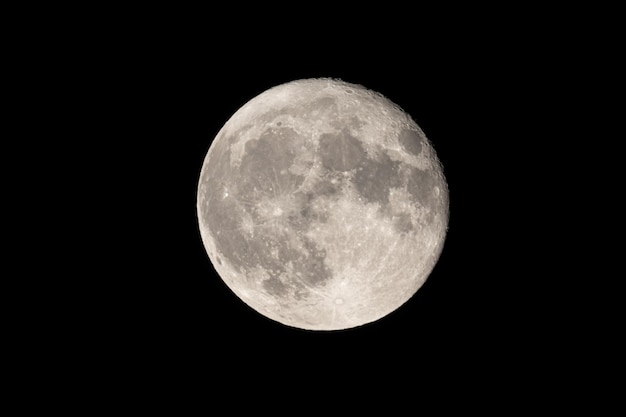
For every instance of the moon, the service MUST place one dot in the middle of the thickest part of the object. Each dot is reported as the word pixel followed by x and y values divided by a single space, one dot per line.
pixel 322 205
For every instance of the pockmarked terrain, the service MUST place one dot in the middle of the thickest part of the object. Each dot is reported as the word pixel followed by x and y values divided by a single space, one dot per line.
pixel 322 205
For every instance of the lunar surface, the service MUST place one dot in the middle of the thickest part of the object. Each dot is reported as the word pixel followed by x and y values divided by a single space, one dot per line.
pixel 322 205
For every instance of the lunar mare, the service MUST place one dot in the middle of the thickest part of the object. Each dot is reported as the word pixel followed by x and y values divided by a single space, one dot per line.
pixel 322 205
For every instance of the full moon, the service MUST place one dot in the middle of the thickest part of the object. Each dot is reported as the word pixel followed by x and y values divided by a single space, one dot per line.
pixel 322 205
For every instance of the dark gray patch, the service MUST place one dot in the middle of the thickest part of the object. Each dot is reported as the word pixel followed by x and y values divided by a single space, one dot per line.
pixel 301 293
pixel 257 253
pixel 402 223
pixel 421 185
pixel 275 286
pixel 324 188
pixel 242 250
pixel 411 141
pixel 301 218
pixel 322 103
pixel 374 178
pixel 266 162
pixel 310 267
pixel 340 152
pixel 308 215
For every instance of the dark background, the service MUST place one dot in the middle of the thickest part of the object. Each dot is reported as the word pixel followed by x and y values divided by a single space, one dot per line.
pixel 151 90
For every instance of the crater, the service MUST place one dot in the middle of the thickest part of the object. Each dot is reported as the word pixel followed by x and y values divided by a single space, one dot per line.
pixel 411 141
